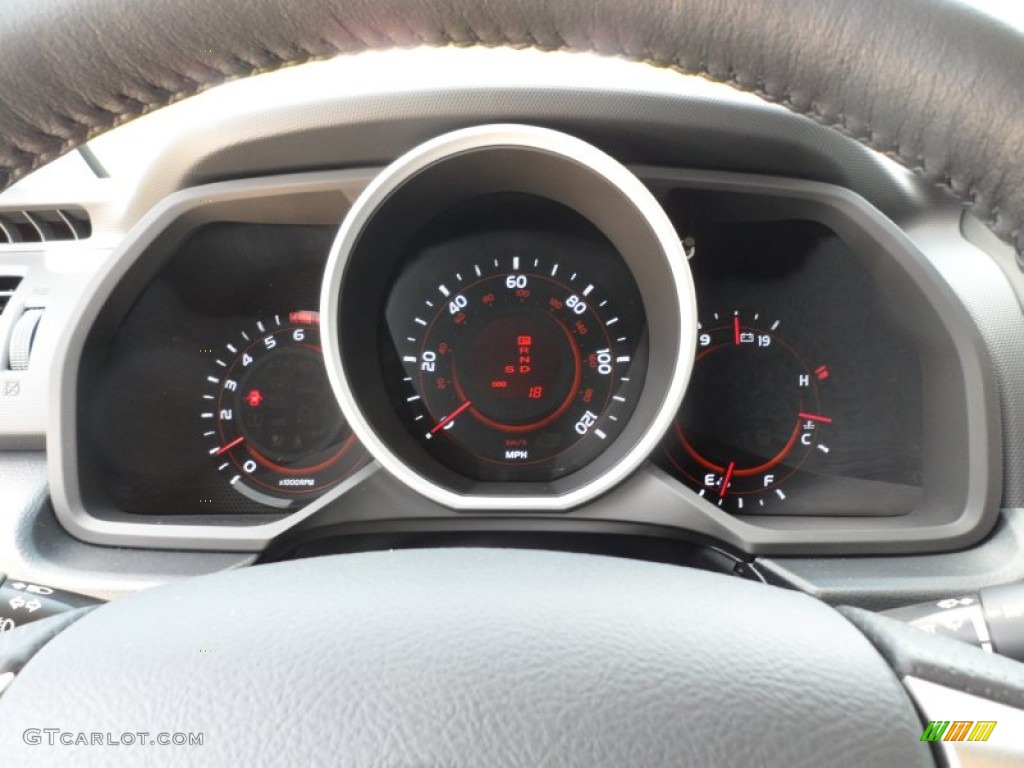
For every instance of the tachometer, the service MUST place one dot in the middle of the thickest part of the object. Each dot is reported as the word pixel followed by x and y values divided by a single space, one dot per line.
pixel 271 421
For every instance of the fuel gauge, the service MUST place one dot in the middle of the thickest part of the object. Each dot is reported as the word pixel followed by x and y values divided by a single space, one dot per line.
pixel 755 414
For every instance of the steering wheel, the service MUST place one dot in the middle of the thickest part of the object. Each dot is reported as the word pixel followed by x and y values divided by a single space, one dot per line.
pixel 460 657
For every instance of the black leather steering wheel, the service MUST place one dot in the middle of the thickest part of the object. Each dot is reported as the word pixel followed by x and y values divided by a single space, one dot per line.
pixel 932 83
pixel 447 657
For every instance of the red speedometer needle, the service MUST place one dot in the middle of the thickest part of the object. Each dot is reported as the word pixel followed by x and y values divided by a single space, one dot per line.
pixel 726 479
pixel 229 446
pixel 449 418
pixel 814 417
pixel 736 329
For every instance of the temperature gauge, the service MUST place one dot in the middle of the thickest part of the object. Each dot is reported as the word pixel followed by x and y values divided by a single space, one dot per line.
pixel 755 414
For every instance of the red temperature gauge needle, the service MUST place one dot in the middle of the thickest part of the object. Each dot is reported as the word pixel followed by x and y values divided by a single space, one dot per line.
pixel 726 479
pixel 815 417
pixel 448 419
pixel 229 446
pixel 736 329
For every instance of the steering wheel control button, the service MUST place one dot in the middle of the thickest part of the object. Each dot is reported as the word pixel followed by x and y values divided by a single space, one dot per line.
pixel 991 619
pixel 22 603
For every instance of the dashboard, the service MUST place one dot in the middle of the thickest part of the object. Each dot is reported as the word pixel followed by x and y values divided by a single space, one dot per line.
pixel 639 324
pixel 804 381
pixel 516 344
pixel 665 336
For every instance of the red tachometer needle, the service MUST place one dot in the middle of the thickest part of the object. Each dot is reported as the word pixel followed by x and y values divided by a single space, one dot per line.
pixel 726 479
pixel 736 329
pixel 448 419
pixel 229 446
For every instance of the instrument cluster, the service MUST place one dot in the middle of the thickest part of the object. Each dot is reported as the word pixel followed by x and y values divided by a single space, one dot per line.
pixel 508 320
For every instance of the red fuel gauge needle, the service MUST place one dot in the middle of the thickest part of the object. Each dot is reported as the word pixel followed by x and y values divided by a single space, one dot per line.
pixel 449 418
pixel 224 449
pixel 736 329
pixel 726 479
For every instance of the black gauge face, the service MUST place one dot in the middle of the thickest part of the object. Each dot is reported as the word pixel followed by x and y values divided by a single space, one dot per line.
pixel 752 416
pixel 270 418
pixel 514 354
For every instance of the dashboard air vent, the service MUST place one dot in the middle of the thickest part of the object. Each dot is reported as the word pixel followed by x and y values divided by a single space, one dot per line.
pixel 44 225
pixel 7 288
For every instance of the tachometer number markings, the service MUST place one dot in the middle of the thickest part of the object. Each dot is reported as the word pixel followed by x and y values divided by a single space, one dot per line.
pixel 278 434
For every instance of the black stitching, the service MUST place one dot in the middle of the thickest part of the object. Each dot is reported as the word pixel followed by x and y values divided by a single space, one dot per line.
pixel 915 162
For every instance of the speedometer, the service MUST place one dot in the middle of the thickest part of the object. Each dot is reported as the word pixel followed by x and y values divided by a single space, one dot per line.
pixel 519 353
pixel 508 320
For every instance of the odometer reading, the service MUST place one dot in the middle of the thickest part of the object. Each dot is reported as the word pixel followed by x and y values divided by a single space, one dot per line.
pixel 521 366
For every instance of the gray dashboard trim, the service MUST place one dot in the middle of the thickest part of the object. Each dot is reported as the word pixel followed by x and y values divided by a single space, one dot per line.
pixel 193 206
pixel 641 124
pixel 35 547
pixel 949 523
pixel 661 501
pixel 883 582
pixel 987 290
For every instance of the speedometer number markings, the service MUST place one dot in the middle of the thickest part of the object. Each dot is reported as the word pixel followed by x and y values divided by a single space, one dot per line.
pixel 516 367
